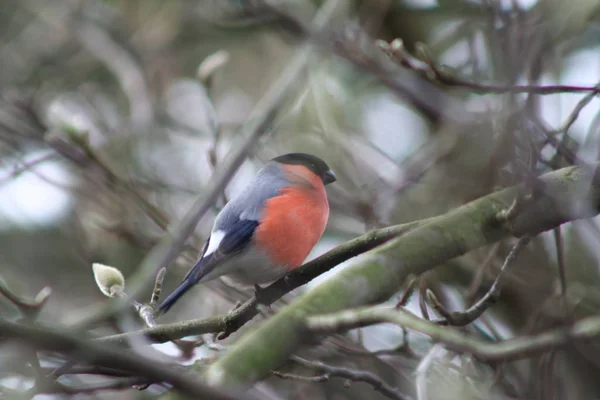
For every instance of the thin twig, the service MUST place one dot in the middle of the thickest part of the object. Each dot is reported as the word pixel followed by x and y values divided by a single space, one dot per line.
pixel 353 375
pixel 422 297
pixel 402 349
pixel 577 110
pixel 560 256
pixel 311 379
pixel 146 313
pixel 479 274
pixel 461 318
pixel 56 372
pixel 26 165
pixel 449 77
pixel 357 48
pixel 112 385
pixel 410 288
pixel 27 307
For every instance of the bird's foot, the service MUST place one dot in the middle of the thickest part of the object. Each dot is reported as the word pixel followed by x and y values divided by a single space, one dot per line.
pixel 260 296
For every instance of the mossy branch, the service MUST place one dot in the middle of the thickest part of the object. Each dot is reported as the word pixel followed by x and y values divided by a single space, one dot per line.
pixel 568 194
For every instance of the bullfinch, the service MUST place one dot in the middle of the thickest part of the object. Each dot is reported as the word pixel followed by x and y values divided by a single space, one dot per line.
pixel 268 229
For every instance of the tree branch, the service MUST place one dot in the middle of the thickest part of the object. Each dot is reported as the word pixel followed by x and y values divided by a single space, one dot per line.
pixel 356 47
pixel 229 323
pixel 447 76
pixel 50 339
pixel 27 307
pixel 454 339
pixel 461 318
pixel 354 375
pixel 383 270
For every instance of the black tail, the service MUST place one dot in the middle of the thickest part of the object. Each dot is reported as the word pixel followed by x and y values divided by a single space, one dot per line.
pixel 198 271
pixel 173 297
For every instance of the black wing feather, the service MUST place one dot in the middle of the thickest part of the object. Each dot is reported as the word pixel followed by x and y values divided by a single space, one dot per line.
pixel 237 238
pixel 234 241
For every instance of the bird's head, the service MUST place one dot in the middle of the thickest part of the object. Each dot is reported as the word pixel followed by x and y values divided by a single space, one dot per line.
pixel 312 163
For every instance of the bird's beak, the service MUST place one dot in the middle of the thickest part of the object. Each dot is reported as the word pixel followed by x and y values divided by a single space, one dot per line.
pixel 329 177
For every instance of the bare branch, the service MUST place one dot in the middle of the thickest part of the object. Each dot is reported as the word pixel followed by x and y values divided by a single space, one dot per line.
pixel 461 318
pixel 26 165
pixel 46 338
pixel 111 385
pixel 353 375
pixel 311 379
pixel 560 259
pixel 356 47
pixel 512 349
pixel 577 110
pixel 28 307
pixel 478 278
pixel 423 297
pixel 425 66
pixel 410 288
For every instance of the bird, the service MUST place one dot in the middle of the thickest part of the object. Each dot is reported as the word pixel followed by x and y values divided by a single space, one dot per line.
pixel 267 229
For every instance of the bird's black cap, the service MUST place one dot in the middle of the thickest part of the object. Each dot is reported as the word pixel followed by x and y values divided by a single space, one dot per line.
pixel 313 163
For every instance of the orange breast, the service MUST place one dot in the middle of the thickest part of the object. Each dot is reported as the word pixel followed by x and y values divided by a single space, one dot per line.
pixel 293 223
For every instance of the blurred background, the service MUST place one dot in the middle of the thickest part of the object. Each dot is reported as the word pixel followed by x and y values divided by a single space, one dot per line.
pixel 114 115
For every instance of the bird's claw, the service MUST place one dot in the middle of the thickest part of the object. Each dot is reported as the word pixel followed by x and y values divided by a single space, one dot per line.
pixel 260 297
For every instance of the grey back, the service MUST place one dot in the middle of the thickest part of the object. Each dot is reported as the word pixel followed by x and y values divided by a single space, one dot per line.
pixel 248 204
